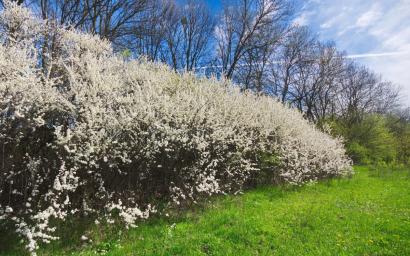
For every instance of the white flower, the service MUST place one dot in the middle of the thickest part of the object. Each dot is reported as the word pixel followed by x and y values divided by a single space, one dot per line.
pixel 117 115
pixel 57 184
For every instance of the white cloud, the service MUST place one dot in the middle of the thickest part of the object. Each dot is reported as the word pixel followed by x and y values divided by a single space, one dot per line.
pixel 328 24
pixel 377 32
pixel 377 54
pixel 302 20
pixel 368 18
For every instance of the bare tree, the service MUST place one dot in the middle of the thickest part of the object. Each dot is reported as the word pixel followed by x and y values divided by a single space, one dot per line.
pixel 110 19
pixel 148 38
pixel 198 24
pixel 290 62
pixel 325 84
pixel 366 92
pixel 254 72
pixel 241 22
pixel 189 34
pixel 173 37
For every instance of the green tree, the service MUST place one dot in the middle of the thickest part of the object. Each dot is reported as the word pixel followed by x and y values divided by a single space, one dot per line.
pixel 368 140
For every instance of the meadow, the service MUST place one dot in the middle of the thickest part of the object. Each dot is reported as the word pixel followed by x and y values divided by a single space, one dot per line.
pixel 367 214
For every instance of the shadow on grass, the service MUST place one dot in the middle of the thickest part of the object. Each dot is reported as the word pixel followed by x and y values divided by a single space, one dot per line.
pixel 69 232
pixel 9 240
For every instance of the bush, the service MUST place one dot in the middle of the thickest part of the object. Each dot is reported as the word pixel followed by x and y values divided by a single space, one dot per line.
pixel 87 131
pixel 369 140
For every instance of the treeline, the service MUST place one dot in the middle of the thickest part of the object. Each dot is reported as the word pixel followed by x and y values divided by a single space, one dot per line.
pixel 254 43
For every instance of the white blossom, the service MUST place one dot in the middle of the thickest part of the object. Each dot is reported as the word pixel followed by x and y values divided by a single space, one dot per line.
pixel 115 124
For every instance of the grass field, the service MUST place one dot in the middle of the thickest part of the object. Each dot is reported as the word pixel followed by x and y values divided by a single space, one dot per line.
pixel 366 215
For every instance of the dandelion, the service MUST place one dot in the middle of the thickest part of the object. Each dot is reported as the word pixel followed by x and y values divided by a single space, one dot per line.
pixel 371 241
pixel 339 235
pixel 338 244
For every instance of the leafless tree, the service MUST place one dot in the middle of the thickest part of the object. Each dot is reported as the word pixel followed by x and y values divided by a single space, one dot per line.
pixel 198 24
pixel 173 37
pixel 254 72
pixel 241 23
pixel 290 62
pixel 110 19
pixel 321 95
pixel 148 38
pixel 189 35
pixel 366 92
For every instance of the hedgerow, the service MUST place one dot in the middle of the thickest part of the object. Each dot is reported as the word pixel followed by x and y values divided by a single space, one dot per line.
pixel 84 130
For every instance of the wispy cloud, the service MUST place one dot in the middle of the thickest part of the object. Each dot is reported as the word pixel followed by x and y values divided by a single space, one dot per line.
pixel 376 32
pixel 302 19
pixel 365 55
pixel 368 18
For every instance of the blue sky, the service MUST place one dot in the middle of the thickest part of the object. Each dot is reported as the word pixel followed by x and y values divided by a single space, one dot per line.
pixel 375 32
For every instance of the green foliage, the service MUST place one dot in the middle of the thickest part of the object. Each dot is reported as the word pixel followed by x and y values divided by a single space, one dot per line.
pixel 369 140
pixel 268 162
pixel 400 127
pixel 358 153
pixel 126 53
pixel 106 245
pixel 268 159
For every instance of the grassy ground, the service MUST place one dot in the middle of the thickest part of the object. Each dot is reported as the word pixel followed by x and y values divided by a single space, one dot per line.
pixel 366 215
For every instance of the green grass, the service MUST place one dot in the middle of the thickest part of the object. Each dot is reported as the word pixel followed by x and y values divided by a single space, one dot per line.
pixel 366 215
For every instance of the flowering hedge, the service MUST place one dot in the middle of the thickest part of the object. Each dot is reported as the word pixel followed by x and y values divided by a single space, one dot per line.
pixel 86 131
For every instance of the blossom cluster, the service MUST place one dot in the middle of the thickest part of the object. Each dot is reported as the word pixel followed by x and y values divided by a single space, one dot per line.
pixel 84 130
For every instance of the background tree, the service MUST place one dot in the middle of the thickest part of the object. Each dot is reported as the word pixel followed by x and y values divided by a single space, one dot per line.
pixel 197 27
pixel 113 20
pixel 290 63
pixel 148 38
pixel 239 31
pixel 253 73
